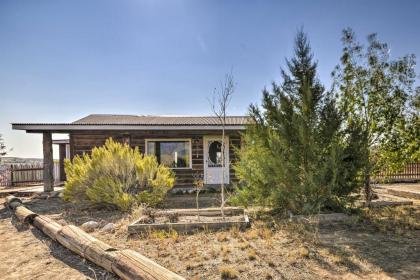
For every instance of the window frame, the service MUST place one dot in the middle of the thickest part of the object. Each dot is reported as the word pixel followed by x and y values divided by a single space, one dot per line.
pixel 171 140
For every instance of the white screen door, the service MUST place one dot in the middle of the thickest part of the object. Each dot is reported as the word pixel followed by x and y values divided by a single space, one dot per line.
pixel 213 160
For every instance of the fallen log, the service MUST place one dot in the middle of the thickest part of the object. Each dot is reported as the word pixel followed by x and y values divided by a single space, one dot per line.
pixel 101 253
pixel 132 265
pixel 74 239
pixel 12 202
pixel 24 214
pixel 47 226
pixel 127 264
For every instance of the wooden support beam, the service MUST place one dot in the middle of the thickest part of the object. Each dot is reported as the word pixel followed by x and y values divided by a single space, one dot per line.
pixel 62 156
pixel 48 162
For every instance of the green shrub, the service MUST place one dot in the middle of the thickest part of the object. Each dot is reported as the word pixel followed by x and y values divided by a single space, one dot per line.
pixel 117 175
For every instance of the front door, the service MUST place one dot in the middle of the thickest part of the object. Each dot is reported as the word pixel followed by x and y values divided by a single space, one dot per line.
pixel 213 166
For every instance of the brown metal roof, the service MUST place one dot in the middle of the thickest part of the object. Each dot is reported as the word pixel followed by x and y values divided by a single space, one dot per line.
pixel 134 122
pixel 103 119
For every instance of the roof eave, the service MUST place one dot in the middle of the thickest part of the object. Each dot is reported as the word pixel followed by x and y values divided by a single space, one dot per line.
pixel 79 127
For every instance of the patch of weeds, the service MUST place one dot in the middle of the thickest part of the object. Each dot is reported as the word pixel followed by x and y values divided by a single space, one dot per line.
pixel 252 254
pixel 244 245
pixel 251 234
pixel 225 250
pixel 268 276
pixel 398 220
pixel 173 234
pixel 265 233
pixel 299 253
pixel 158 234
pixel 162 234
pixel 227 273
pixel 302 232
pixel 222 237
pixel 235 231
pixel 214 253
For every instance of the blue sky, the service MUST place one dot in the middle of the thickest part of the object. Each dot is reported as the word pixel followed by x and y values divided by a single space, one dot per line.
pixel 62 60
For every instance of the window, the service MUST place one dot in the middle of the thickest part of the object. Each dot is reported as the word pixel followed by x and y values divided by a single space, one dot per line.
pixel 172 153
pixel 215 154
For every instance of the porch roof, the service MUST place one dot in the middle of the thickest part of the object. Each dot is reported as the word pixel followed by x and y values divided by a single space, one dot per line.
pixel 136 122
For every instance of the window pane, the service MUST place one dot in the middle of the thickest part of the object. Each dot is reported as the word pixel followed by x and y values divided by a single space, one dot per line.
pixel 151 148
pixel 215 154
pixel 173 154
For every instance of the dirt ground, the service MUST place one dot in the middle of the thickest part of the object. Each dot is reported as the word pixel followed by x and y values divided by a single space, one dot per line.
pixel 26 253
pixel 375 244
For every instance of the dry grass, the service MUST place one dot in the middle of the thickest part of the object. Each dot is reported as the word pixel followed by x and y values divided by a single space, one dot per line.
pixel 400 220
pixel 228 273
pixel 273 250
pixel 252 255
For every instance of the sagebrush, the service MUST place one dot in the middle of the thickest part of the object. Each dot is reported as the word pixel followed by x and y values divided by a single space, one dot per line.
pixel 117 175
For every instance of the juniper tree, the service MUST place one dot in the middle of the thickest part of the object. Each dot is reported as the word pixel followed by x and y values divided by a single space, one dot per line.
pixel 373 93
pixel 294 153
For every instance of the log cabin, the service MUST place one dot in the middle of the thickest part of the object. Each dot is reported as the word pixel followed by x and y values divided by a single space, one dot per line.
pixel 187 144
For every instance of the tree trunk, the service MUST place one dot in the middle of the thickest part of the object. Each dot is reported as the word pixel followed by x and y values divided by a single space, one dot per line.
pixel 367 186
pixel 48 162
pixel 222 206
pixel 196 201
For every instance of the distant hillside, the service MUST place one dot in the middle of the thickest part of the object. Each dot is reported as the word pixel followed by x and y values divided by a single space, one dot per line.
pixel 17 160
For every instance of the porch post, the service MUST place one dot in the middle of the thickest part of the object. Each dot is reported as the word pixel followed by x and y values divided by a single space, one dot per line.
pixel 62 156
pixel 48 162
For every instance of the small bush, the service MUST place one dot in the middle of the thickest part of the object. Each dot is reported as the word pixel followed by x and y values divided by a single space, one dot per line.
pixel 252 255
pixel 228 273
pixel 118 176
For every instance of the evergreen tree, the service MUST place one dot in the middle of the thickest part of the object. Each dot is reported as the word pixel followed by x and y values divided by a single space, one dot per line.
pixel 373 93
pixel 3 150
pixel 294 153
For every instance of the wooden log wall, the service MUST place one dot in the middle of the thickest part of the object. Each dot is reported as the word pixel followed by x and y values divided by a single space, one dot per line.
pixel 84 141
pixel 127 264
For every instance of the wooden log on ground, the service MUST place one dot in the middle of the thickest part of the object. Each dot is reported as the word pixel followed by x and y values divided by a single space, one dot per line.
pixel 101 253
pixel 127 264
pixel 47 226
pixel 24 214
pixel 132 265
pixel 75 239
pixel 12 202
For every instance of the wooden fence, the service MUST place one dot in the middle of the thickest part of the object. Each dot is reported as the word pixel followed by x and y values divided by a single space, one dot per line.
pixel 25 174
pixel 410 173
